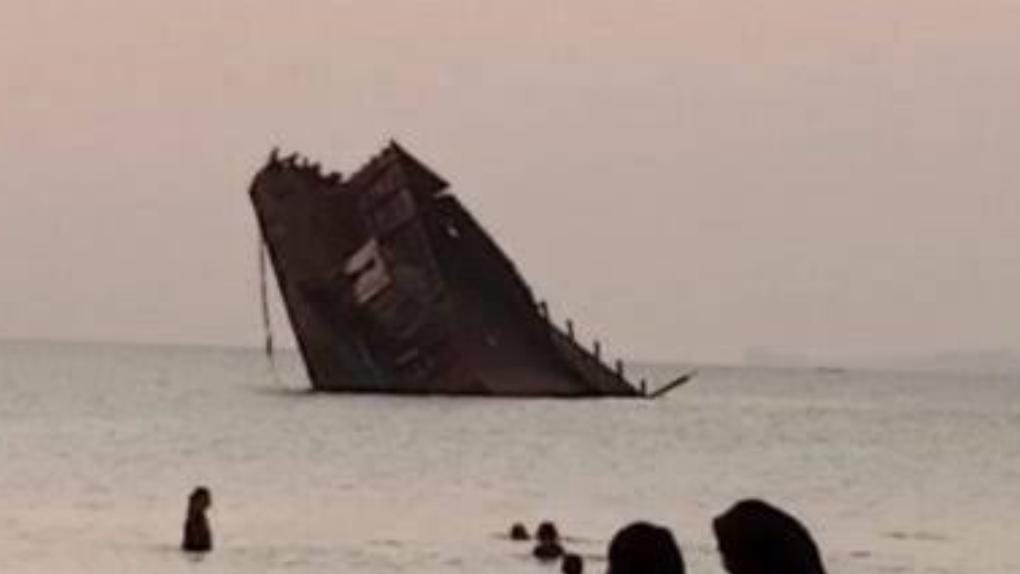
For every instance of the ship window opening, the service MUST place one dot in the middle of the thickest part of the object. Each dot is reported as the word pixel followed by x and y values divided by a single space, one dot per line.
pixel 394 211
pixel 370 265
pixel 452 231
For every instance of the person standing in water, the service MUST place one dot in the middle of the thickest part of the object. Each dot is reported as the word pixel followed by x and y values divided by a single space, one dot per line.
pixel 197 535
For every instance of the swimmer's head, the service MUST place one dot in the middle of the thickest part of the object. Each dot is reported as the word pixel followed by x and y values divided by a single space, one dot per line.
pixel 200 499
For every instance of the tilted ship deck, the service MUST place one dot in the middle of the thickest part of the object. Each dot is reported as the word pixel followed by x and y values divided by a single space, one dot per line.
pixel 391 286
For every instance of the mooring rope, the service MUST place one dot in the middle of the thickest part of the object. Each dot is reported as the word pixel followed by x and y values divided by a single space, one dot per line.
pixel 267 323
pixel 267 319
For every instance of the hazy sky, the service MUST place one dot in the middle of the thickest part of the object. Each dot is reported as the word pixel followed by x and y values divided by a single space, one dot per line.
pixel 685 178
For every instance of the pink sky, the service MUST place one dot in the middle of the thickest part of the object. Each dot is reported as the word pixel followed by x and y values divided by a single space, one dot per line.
pixel 686 179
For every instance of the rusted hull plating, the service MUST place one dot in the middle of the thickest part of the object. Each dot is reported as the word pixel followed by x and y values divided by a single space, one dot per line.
pixel 391 286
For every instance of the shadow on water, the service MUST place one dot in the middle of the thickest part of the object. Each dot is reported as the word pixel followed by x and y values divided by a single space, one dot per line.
pixel 175 551
pixel 280 391
pixel 307 393
pixel 467 399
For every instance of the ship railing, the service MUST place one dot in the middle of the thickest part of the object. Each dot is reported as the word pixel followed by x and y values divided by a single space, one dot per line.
pixel 609 377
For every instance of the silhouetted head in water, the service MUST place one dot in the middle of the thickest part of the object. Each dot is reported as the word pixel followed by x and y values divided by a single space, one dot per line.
pixel 197 535
pixel 548 547
pixel 518 532
pixel 572 564
pixel 200 500
pixel 757 538
pixel 547 532
pixel 643 548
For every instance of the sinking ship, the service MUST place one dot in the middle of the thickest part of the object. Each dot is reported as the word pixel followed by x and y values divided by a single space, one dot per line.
pixel 391 286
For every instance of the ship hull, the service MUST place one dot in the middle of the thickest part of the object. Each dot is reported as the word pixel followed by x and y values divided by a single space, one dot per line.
pixel 391 286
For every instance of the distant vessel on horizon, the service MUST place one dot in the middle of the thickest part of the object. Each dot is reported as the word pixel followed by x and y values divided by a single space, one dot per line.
pixel 392 286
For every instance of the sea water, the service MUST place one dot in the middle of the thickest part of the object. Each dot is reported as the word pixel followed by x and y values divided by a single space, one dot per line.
pixel 100 446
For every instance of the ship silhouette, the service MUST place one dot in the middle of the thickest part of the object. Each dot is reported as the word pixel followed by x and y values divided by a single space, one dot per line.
pixel 392 286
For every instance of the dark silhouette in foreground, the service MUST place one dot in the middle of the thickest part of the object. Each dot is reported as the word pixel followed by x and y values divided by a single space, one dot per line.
pixel 519 532
pixel 572 564
pixel 755 537
pixel 197 536
pixel 548 547
pixel 643 548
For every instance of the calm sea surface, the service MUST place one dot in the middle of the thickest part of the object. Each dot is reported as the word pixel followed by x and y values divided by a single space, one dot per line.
pixel 100 445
